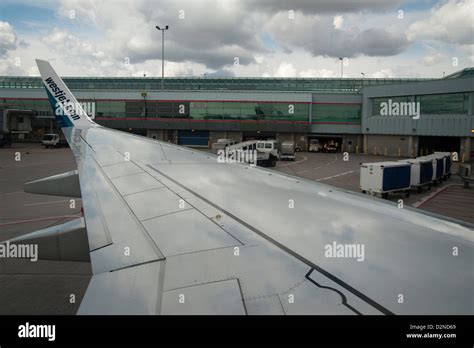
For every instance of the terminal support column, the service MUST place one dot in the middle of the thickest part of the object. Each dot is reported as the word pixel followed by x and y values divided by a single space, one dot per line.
pixel 465 149
pixel 410 147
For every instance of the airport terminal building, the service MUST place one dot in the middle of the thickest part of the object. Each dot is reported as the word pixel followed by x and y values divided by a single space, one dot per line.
pixel 360 115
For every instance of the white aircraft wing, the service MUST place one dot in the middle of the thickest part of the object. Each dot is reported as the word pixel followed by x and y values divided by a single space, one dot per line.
pixel 172 231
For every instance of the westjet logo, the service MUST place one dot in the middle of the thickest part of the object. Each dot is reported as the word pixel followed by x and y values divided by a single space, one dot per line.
pixel 63 100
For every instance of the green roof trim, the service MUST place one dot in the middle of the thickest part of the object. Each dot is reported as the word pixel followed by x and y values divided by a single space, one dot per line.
pixel 328 85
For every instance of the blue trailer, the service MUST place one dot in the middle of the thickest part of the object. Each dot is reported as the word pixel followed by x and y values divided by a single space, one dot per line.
pixel 438 167
pixel 385 177
pixel 421 172
pixel 447 163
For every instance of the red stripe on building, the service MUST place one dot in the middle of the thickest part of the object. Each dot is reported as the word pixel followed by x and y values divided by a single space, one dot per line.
pixel 192 120
pixel 199 101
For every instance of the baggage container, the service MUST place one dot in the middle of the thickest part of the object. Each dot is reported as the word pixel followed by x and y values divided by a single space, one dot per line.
pixel 447 163
pixel 421 172
pixel 385 177
pixel 438 167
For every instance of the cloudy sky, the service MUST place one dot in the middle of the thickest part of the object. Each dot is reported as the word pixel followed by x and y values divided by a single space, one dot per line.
pixel 281 38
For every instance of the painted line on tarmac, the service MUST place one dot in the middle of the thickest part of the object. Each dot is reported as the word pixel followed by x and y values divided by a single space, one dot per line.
pixel 290 164
pixel 35 164
pixel 327 164
pixel 40 203
pixel 41 219
pixel 337 175
pixel 431 196
pixel 333 161
pixel 12 193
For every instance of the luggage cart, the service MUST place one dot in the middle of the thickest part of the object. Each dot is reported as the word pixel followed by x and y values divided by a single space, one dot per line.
pixel 438 167
pixel 385 177
pixel 421 172
pixel 447 163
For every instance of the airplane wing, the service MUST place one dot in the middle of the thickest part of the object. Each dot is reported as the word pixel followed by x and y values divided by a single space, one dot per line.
pixel 173 231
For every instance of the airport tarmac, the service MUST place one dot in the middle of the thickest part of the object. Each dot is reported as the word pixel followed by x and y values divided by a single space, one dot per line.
pixel 332 169
pixel 46 287
pixel 449 198
pixel 42 287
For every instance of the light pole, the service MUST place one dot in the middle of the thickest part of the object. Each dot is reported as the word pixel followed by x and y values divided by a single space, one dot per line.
pixel 363 75
pixel 342 66
pixel 162 55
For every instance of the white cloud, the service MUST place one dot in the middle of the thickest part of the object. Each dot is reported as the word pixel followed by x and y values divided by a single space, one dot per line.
pixel 317 34
pixel 318 73
pixel 468 50
pixel 451 22
pixel 337 22
pixel 8 39
pixel 322 6
pixel 206 32
pixel 384 73
pixel 285 70
pixel 8 67
pixel 433 58
pixel 212 34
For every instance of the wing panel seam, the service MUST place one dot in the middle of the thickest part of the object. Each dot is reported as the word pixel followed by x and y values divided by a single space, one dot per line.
pixel 335 279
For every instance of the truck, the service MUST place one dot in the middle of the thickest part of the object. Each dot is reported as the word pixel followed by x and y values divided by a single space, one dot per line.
pixel 288 151
pixel 330 147
pixel 221 144
pixel 314 145
pixel 53 140
pixel 272 148
pixel 268 151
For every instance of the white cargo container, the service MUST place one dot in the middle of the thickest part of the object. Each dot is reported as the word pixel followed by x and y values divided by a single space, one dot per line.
pixel 385 177
pixel 421 172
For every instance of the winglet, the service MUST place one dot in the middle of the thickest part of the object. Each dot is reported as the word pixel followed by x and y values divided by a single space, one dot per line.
pixel 67 110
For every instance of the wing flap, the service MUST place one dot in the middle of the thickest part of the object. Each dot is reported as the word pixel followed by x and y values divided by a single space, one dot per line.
pixel 131 291
pixel 216 298
pixel 117 239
